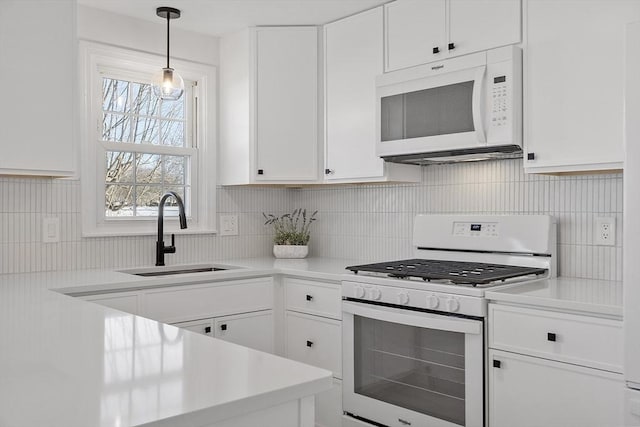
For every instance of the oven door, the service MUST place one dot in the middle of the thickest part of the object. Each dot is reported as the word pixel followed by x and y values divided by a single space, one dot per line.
pixel 434 113
pixel 408 368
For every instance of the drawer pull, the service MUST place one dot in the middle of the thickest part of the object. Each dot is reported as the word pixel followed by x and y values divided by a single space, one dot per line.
pixel 309 343
pixel 497 364
pixel 551 336
pixel 309 297
pixel 207 330
pixel 223 327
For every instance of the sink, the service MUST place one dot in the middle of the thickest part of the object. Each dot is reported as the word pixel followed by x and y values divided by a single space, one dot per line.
pixel 177 269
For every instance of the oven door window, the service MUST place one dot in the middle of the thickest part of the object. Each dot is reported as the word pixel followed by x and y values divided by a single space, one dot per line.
pixel 437 111
pixel 414 368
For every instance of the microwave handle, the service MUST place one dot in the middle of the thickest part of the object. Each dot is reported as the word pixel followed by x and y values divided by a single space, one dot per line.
pixel 477 107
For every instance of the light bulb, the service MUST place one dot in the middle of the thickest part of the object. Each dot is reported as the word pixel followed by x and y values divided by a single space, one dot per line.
pixel 167 84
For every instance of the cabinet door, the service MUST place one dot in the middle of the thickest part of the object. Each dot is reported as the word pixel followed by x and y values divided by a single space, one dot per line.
pixel 314 340
pixel 329 406
pixel 204 327
pixel 127 302
pixel 574 83
pixel 527 391
pixel 476 25
pixel 254 330
pixel 286 104
pixel 413 29
pixel 353 58
pixel 37 68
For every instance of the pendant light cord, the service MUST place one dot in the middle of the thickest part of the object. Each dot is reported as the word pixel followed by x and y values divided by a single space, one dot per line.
pixel 168 19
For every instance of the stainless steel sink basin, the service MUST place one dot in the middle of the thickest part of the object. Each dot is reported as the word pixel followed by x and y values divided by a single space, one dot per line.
pixel 177 269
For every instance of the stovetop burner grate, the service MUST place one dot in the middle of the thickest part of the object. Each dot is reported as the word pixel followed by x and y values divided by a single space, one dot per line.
pixel 458 272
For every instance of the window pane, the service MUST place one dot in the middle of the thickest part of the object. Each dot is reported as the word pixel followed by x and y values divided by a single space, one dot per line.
pixel 120 167
pixel 144 102
pixel 119 200
pixel 116 127
pixel 145 130
pixel 171 207
pixel 115 95
pixel 172 109
pixel 147 199
pixel 149 168
pixel 174 170
pixel 172 133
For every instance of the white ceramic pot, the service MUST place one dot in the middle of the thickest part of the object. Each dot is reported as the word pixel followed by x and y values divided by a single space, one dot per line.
pixel 290 251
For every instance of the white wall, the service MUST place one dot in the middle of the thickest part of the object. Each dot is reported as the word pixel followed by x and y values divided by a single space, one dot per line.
pixel 106 27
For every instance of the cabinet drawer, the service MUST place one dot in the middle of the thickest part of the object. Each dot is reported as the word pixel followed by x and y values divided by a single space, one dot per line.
pixel 203 327
pixel 183 303
pixel 253 330
pixel 314 340
pixel 322 299
pixel 582 340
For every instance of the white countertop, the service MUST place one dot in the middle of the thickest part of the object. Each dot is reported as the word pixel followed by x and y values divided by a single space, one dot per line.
pixel 587 296
pixel 65 362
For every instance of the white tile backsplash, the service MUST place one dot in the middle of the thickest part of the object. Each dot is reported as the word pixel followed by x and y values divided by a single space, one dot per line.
pixel 374 222
pixel 366 222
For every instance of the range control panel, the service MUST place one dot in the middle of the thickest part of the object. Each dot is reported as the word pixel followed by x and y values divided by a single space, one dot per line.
pixel 476 229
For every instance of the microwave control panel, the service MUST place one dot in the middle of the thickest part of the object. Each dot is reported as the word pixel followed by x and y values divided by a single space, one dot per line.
pixel 499 97
pixel 475 229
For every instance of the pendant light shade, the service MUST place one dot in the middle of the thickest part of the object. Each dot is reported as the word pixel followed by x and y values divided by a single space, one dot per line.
pixel 167 84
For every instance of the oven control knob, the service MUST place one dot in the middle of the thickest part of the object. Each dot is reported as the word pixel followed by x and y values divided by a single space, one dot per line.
pixel 433 301
pixel 403 298
pixel 358 292
pixel 376 294
pixel 453 304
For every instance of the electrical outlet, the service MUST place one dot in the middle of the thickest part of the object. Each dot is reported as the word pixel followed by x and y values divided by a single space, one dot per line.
pixel 228 225
pixel 51 230
pixel 605 231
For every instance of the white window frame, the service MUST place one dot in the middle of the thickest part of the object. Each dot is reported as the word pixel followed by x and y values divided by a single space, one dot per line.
pixel 94 59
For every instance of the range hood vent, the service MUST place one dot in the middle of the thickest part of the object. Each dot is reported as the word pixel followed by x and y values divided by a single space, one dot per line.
pixel 458 156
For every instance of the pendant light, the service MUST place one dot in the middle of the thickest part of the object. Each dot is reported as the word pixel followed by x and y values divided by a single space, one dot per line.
pixel 167 84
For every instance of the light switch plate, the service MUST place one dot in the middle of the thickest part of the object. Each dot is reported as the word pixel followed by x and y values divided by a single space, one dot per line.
pixel 51 230
pixel 228 225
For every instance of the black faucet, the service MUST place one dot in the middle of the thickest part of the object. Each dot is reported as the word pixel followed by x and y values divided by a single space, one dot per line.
pixel 161 249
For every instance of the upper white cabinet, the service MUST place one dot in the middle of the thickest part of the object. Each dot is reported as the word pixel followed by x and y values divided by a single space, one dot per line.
pixel 574 84
pixel 37 67
pixel 422 31
pixel 269 106
pixel 353 58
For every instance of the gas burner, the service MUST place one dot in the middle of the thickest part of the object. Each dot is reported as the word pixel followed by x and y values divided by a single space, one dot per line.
pixel 456 272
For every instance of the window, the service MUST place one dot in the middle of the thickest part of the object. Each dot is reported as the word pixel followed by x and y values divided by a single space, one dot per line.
pixel 143 146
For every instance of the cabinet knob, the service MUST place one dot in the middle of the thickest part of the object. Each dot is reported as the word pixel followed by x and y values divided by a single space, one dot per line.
pixel 329 171
pixel 452 46
pixel 223 327
pixel 207 330
pixel 531 156
pixel 497 364
pixel 260 171
pixel 551 336
pixel 436 50
pixel 309 297
pixel 309 343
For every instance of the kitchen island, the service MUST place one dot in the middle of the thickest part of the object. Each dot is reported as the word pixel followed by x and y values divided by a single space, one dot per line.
pixel 67 362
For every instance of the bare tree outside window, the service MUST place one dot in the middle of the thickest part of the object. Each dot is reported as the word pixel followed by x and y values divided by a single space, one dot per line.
pixel 134 181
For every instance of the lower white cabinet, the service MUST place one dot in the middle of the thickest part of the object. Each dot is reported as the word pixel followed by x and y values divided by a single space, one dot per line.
pixel 529 391
pixel 254 330
pixel 329 406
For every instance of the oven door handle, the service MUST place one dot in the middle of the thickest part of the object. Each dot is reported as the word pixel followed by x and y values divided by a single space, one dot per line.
pixel 412 318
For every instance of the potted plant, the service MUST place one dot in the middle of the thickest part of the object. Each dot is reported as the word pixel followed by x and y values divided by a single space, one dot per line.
pixel 292 233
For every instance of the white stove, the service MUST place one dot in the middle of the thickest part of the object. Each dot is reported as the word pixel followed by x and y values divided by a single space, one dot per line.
pixel 414 330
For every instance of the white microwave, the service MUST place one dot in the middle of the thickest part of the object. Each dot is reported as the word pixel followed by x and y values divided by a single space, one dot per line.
pixel 464 108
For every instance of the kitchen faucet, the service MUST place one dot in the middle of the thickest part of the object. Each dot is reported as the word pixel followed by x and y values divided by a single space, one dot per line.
pixel 161 249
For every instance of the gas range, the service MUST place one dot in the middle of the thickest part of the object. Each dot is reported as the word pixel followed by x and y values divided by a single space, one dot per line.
pixel 458 257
